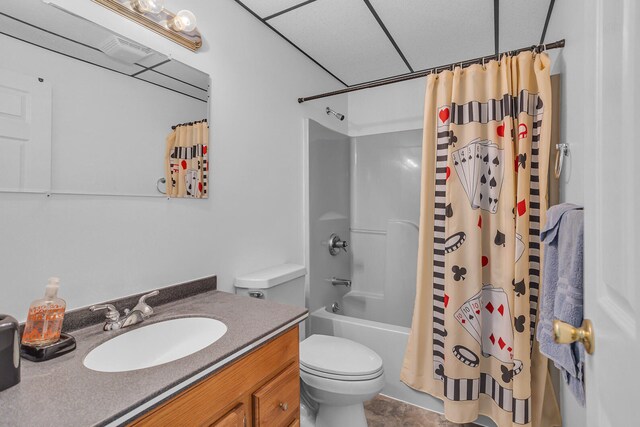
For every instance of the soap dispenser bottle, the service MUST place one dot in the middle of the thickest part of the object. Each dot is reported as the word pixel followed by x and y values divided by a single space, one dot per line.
pixel 44 320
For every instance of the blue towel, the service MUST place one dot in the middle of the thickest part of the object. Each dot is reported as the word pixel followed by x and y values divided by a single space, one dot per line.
pixel 562 291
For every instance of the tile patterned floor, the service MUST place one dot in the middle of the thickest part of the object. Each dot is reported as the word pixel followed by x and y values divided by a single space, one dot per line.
pixel 382 411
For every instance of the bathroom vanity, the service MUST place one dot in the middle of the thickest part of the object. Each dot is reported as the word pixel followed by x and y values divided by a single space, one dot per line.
pixel 260 389
pixel 249 376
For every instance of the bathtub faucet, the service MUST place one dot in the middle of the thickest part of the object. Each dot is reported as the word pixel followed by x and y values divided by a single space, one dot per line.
pixel 336 243
pixel 338 282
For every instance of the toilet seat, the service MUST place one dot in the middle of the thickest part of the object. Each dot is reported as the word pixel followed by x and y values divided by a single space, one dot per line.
pixel 342 391
pixel 339 358
pixel 340 377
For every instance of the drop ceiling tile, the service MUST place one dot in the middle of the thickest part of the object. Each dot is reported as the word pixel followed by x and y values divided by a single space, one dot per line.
pixel 438 32
pixel 521 23
pixel 265 8
pixel 344 37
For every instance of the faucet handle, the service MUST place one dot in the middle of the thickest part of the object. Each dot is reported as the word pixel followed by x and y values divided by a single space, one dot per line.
pixel 112 312
pixel 335 244
pixel 144 297
pixel 143 306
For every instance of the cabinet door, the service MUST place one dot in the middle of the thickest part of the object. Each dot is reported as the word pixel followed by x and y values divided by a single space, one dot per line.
pixel 206 401
pixel 234 418
pixel 277 403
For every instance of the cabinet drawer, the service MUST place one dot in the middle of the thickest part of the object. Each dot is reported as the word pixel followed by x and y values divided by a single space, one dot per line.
pixel 234 418
pixel 277 403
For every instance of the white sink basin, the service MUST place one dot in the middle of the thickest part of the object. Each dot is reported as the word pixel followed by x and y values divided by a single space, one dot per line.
pixel 155 344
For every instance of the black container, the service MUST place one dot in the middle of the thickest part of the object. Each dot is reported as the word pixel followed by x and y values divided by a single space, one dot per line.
pixel 9 352
pixel 40 353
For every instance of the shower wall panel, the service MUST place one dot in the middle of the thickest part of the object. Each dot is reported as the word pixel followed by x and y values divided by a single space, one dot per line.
pixel 329 211
pixel 385 186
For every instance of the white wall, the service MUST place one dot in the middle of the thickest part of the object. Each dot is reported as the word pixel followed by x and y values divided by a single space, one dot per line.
pixel 391 108
pixel 567 21
pixel 105 247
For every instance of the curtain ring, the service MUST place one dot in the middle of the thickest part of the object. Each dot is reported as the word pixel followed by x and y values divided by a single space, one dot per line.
pixel 483 63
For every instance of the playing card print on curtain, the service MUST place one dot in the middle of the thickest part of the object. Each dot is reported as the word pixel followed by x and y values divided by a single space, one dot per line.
pixel 483 201
pixel 187 160
pixel 480 169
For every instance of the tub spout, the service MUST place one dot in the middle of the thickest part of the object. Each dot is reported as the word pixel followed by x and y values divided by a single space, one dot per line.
pixel 340 282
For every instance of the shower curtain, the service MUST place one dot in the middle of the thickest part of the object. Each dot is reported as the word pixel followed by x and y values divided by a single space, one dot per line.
pixel 484 188
pixel 187 161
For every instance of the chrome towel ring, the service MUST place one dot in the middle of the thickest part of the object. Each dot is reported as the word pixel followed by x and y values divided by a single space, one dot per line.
pixel 161 181
pixel 562 150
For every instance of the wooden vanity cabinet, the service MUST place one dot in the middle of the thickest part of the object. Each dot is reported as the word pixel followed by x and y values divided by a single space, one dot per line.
pixel 262 388
pixel 237 417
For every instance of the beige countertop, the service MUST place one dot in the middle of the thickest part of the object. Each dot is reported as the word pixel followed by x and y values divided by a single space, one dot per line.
pixel 63 392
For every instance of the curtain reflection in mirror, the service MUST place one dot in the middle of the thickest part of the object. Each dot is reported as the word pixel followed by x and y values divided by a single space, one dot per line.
pixel 187 161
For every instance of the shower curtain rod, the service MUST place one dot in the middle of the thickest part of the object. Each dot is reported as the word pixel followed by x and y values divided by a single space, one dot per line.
pixel 423 73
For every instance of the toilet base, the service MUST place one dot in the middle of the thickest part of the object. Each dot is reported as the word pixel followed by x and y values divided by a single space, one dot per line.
pixel 307 416
pixel 341 416
pixel 333 416
pixel 314 414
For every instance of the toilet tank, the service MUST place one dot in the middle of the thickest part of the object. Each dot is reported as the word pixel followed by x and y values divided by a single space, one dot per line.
pixel 281 283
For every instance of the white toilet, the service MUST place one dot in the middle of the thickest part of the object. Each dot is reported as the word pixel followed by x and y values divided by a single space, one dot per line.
pixel 337 375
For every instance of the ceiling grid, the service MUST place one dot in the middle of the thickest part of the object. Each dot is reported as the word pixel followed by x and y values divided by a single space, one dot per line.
pixel 384 28
pixel 357 44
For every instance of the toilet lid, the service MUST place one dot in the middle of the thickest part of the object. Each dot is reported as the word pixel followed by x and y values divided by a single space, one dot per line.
pixel 338 356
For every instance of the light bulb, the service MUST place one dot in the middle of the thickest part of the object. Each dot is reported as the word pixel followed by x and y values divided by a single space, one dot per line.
pixel 148 6
pixel 184 21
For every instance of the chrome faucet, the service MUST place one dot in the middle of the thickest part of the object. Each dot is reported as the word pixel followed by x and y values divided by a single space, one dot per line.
pixel 335 244
pixel 340 282
pixel 131 317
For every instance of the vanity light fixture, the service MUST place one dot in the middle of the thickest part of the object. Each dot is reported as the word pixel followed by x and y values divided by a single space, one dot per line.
pixel 179 27
pixel 148 6
pixel 184 21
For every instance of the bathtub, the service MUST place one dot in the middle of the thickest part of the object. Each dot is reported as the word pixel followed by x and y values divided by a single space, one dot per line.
pixel 389 341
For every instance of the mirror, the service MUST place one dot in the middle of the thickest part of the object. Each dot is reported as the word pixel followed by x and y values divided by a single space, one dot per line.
pixel 84 110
